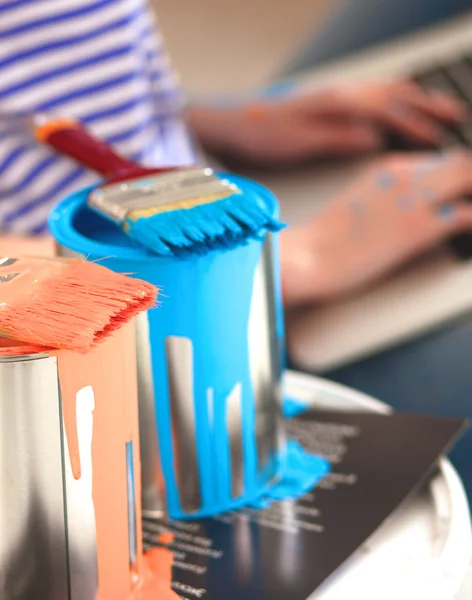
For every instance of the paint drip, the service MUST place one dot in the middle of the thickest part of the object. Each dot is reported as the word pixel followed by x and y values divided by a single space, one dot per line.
pixel 156 580
pixel 115 423
pixel 293 407
pixel 301 472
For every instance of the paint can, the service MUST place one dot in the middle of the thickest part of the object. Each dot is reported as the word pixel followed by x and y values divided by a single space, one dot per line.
pixel 209 363
pixel 69 472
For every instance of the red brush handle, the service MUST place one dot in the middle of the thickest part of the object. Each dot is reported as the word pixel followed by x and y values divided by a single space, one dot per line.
pixel 71 138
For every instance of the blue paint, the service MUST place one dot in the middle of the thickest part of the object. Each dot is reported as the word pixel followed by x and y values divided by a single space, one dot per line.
pixel 207 299
pixel 385 180
pixel 280 90
pixel 302 471
pixel 225 224
pixel 293 407
pixel 446 212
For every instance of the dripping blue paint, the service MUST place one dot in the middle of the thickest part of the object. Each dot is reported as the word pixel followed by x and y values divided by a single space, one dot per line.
pixel 212 311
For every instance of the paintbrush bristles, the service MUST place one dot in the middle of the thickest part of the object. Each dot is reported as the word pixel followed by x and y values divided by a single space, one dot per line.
pixel 78 306
pixel 219 225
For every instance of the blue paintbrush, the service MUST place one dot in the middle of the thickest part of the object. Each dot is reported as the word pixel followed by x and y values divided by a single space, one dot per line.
pixel 169 211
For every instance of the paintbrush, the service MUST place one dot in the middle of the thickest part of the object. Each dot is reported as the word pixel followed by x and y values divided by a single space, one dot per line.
pixel 69 304
pixel 169 211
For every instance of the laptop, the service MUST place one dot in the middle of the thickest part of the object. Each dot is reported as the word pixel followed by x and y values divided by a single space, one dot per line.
pixel 429 292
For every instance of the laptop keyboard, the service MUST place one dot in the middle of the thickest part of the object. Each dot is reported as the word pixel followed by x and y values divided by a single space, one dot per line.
pixel 456 79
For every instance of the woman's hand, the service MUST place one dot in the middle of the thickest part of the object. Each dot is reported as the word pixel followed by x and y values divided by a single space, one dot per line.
pixel 401 206
pixel 341 121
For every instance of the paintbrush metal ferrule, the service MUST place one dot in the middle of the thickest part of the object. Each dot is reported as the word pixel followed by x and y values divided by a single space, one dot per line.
pixel 6 261
pixel 118 201
pixel 8 277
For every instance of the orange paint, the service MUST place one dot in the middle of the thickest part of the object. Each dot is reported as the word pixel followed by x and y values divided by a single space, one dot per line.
pixel 68 303
pixel 256 113
pixel 71 380
pixel 165 538
pixel 110 369
pixel 157 577
pixel 43 132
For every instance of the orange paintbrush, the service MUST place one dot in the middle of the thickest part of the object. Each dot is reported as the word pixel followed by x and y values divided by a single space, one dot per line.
pixel 66 303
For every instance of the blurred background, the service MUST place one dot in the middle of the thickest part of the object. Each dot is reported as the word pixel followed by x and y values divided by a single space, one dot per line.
pixel 222 46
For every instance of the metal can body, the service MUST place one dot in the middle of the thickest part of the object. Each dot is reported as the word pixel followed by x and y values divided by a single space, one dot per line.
pixel 69 473
pixel 209 364
pixel 33 557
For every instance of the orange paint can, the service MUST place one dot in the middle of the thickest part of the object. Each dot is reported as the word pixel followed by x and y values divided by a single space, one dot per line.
pixel 70 509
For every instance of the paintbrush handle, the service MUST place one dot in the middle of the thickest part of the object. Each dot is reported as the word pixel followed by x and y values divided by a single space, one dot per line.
pixel 69 137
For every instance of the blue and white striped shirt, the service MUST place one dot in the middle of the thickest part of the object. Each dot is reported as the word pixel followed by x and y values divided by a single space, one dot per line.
pixel 101 61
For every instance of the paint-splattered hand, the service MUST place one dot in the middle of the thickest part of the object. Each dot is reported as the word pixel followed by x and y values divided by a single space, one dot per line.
pixel 400 207
pixel 343 120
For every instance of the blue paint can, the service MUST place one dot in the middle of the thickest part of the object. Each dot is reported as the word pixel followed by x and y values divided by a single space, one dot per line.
pixel 209 363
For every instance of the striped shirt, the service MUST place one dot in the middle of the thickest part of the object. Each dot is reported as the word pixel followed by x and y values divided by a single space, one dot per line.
pixel 101 61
